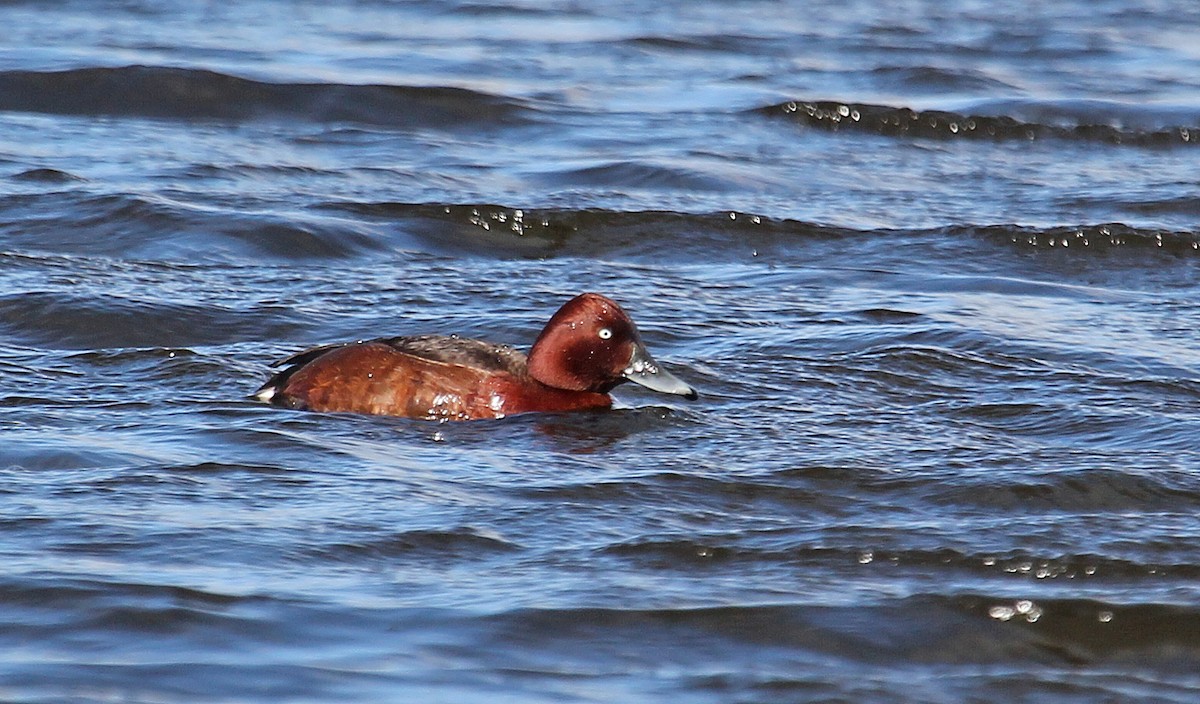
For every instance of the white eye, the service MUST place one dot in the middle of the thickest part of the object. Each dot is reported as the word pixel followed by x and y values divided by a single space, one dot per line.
pixel 604 333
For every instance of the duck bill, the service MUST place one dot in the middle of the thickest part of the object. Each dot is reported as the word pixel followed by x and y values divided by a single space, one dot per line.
pixel 644 371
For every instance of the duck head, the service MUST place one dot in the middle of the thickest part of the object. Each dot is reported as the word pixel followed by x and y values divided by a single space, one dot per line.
pixel 590 344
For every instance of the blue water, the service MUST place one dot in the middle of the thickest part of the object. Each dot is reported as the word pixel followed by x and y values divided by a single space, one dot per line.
pixel 932 267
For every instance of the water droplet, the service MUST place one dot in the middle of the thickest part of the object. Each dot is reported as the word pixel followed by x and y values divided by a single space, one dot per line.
pixel 1104 616
pixel 844 110
pixel 1002 613
pixel 866 557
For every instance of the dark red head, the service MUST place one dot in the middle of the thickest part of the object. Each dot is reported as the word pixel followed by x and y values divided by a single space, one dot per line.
pixel 590 344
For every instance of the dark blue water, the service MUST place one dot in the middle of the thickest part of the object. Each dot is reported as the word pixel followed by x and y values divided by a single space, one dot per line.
pixel 933 267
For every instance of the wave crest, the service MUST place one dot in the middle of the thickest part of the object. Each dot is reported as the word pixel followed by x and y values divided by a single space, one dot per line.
pixel 185 93
pixel 940 124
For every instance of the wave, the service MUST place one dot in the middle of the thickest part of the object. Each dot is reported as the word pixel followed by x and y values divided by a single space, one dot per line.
pixel 156 227
pixel 89 320
pixel 1067 124
pixel 439 546
pixel 922 627
pixel 153 228
pixel 176 640
pixel 783 548
pixel 167 92
pixel 1106 236
pixel 188 94
pixel 44 175
pixel 496 229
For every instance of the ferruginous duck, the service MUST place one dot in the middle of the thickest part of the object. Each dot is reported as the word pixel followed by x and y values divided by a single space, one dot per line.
pixel 588 347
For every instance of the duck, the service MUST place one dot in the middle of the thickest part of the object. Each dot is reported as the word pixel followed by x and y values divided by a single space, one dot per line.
pixel 587 348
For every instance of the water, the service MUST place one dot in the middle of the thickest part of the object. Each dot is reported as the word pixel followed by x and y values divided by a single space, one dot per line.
pixel 945 448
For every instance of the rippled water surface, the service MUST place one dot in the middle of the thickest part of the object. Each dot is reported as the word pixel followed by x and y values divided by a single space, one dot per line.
pixel 933 269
